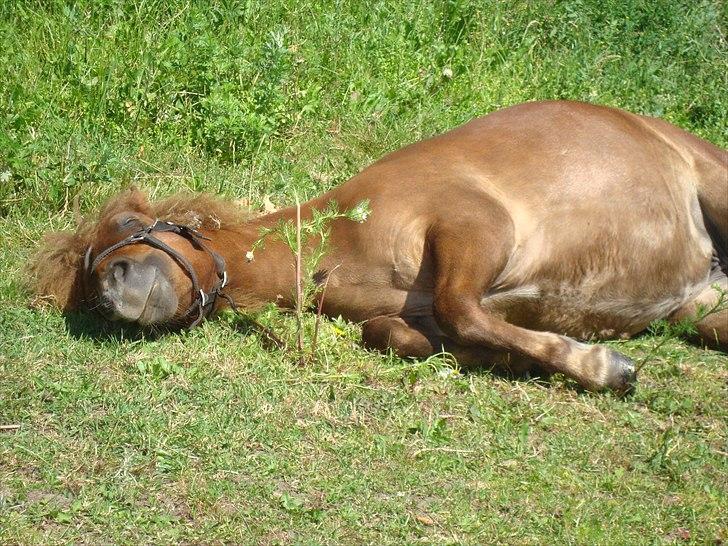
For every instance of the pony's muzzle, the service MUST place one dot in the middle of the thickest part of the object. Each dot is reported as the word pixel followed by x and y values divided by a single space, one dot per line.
pixel 136 291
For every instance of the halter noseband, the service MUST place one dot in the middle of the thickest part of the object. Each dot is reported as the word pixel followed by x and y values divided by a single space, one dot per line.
pixel 203 302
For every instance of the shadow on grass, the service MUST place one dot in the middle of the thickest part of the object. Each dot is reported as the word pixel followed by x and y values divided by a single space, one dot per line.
pixel 94 327
pixel 536 374
pixel 247 325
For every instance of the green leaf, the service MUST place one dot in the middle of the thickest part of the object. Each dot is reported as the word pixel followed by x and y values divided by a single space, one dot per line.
pixel 291 503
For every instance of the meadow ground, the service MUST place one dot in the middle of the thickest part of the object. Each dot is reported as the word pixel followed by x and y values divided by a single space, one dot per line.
pixel 110 435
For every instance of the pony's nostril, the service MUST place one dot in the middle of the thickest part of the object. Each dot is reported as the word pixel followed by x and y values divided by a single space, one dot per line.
pixel 119 270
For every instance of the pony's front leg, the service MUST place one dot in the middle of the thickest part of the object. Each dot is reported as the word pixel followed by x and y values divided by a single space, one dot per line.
pixel 383 333
pixel 420 338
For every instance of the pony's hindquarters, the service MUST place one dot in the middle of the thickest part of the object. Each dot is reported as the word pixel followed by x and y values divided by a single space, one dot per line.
pixel 709 164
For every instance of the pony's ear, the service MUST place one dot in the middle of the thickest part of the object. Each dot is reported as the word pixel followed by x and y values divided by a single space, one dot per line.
pixel 56 270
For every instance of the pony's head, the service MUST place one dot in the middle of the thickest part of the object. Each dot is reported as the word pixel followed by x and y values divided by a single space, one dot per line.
pixel 137 261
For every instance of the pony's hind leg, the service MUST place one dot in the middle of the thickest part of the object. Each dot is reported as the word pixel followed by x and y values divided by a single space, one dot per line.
pixel 709 310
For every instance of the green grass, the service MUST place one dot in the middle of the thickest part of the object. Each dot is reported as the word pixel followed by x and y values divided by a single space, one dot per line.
pixel 212 437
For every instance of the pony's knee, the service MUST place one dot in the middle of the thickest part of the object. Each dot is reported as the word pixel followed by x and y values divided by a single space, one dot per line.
pixel 383 333
pixel 709 313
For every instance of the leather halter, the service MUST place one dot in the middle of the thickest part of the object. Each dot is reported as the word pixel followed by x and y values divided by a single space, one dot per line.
pixel 203 302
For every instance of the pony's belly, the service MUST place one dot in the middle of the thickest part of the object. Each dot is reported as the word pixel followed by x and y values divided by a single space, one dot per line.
pixel 577 313
pixel 614 292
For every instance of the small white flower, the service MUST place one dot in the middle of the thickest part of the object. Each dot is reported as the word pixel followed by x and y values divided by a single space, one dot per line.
pixel 5 176
pixel 448 373
pixel 447 72
pixel 360 212
pixel 249 256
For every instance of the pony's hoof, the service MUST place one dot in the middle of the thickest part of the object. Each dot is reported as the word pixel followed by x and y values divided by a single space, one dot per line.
pixel 622 377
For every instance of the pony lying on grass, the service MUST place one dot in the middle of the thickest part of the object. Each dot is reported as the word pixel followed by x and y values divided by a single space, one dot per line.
pixel 502 242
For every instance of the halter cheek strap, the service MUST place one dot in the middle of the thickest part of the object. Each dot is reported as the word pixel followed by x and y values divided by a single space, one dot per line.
pixel 202 302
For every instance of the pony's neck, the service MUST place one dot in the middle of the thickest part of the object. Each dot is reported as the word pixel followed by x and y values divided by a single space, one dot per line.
pixel 268 275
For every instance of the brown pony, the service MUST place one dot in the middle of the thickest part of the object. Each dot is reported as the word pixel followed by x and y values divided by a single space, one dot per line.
pixel 500 242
